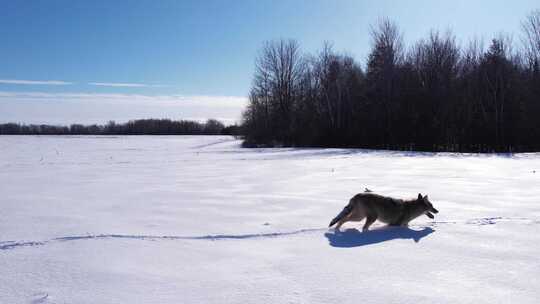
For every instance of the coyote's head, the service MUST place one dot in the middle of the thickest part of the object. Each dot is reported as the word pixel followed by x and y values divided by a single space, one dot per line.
pixel 426 204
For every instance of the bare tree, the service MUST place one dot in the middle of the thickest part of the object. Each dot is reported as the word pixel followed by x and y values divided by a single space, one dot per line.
pixel 338 80
pixel 435 61
pixel 382 72
pixel 498 81
pixel 278 73
pixel 531 39
pixel 387 43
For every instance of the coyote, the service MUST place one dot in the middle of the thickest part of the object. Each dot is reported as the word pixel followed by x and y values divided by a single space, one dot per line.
pixel 395 212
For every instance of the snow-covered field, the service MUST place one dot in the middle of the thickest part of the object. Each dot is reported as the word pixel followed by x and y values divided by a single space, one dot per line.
pixel 179 219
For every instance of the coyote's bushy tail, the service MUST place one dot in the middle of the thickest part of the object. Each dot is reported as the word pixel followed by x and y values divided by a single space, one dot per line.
pixel 342 214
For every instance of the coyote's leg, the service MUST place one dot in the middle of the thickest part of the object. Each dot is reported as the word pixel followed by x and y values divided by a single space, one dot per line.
pixel 369 220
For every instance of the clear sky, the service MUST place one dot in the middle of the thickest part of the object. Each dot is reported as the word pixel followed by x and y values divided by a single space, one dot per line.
pixel 91 61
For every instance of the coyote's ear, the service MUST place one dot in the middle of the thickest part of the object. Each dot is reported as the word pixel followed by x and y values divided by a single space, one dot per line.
pixel 425 197
pixel 419 196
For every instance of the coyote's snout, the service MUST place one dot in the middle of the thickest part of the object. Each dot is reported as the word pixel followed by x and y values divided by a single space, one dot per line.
pixel 372 207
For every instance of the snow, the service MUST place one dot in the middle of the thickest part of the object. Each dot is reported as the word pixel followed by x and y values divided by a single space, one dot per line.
pixel 180 219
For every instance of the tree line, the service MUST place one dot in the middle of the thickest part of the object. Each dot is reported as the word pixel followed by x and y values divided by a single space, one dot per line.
pixel 133 127
pixel 433 95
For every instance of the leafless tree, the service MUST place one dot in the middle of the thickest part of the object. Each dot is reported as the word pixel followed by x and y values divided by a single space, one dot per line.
pixel 279 69
pixel 382 71
pixel 337 78
pixel 531 38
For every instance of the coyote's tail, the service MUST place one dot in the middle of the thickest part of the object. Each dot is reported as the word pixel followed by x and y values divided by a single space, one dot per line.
pixel 342 214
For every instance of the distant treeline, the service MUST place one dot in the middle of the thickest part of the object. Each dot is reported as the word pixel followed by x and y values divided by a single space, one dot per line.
pixel 434 95
pixel 133 127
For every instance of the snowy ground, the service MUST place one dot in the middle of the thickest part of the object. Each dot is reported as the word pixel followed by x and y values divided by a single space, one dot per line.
pixel 200 220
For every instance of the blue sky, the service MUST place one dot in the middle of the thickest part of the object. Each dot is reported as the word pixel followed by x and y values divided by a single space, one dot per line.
pixel 191 50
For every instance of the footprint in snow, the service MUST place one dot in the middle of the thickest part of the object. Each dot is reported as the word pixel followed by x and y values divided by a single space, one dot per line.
pixel 40 298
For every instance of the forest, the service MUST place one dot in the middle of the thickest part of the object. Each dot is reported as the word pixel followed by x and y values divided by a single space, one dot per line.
pixel 133 127
pixel 433 95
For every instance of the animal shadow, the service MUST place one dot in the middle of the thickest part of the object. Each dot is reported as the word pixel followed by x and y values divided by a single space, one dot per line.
pixel 354 238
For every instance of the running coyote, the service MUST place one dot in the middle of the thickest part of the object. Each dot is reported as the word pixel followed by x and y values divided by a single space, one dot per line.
pixel 395 212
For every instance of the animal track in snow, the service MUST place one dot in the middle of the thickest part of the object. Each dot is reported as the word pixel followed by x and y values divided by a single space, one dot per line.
pixel 6 245
pixel 211 237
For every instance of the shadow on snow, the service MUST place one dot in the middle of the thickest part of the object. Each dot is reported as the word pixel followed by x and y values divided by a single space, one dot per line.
pixel 354 238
